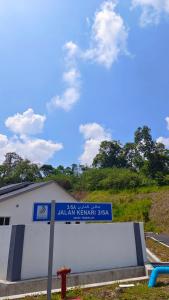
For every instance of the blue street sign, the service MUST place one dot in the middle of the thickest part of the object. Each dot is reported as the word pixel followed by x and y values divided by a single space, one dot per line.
pixel 72 212
pixel 83 212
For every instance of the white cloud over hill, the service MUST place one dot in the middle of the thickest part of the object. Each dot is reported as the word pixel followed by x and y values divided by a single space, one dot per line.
pixel 93 134
pixel 33 148
pixel 26 123
pixel 164 140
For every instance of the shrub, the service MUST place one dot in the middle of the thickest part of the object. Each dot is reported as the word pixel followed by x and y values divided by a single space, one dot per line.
pixel 137 210
pixel 112 178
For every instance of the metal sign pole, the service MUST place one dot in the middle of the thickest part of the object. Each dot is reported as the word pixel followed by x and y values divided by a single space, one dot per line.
pixel 51 246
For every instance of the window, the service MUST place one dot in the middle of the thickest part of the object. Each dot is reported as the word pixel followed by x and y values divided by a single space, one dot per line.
pixel 4 221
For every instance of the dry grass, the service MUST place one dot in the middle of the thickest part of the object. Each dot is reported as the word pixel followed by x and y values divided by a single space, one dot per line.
pixel 162 252
pixel 158 196
pixel 139 292
pixel 159 211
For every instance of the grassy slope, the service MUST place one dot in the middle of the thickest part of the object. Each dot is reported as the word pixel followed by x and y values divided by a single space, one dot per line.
pixel 150 205
pixel 139 292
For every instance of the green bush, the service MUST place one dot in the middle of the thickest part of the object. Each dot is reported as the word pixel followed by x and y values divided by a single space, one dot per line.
pixel 137 210
pixel 112 178
pixel 90 179
pixel 64 181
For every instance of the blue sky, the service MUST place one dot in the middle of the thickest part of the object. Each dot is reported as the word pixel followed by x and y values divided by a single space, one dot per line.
pixel 73 73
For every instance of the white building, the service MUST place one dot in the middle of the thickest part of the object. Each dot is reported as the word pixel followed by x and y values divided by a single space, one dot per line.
pixel 84 248
pixel 17 200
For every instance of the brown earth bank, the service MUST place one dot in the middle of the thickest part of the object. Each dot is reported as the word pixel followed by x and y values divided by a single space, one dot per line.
pixel 158 213
pixel 161 251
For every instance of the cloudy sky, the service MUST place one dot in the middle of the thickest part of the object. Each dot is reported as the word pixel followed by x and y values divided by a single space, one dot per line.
pixel 74 73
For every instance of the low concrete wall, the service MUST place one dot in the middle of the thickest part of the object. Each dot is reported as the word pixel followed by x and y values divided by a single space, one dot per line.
pixel 5 236
pixel 83 248
pixel 36 285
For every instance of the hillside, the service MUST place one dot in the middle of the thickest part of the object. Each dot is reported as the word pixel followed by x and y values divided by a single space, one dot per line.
pixel 150 205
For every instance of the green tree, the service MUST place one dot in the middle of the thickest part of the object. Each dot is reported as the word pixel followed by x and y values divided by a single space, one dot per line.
pixel 16 169
pixel 143 141
pixel 27 171
pixel 59 170
pixel 47 170
pixel 110 155
pixel 153 156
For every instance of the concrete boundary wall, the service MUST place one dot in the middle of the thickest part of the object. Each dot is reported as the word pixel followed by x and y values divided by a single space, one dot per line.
pixel 99 278
pixel 138 243
pixel 5 237
pixel 82 247
pixel 15 253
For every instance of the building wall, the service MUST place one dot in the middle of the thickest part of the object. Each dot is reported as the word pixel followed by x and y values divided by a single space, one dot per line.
pixel 20 207
pixel 5 235
pixel 83 247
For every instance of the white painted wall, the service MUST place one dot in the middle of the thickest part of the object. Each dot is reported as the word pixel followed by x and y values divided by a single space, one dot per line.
pixel 5 236
pixel 83 247
pixel 23 214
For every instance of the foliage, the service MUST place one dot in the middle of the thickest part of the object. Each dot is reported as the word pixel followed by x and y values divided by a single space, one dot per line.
pixel 110 155
pixel 144 155
pixel 127 206
pixel 141 163
pixel 15 170
pixel 112 178
pixel 63 180
pixel 133 211
pixel 47 170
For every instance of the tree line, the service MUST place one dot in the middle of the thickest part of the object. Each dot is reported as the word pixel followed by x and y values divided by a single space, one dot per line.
pixel 142 162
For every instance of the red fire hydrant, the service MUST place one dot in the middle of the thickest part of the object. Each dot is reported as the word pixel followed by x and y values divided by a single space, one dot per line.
pixel 62 273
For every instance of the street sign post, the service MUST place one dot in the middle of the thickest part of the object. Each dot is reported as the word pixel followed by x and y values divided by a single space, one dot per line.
pixel 68 212
pixel 51 246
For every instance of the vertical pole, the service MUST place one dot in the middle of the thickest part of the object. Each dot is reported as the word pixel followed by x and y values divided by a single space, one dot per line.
pixel 51 246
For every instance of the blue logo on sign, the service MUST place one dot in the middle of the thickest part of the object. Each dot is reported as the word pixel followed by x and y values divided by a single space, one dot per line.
pixel 42 212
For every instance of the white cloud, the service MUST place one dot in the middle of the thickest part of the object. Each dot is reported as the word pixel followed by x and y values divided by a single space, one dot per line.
pixel 151 10
pixel 71 48
pixel 167 120
pixel 94 131
pixel 109 36
pixel 93 134
pixel 3 141
pixel 71 94
pixel 71 78
pixel 32 148
pixel 66 101
pixel 162 139
pixel 108 40
pixel 36 150
pixel 26 123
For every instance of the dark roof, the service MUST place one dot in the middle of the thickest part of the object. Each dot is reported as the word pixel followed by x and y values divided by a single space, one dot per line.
pixel 11 190
pixel 13 187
